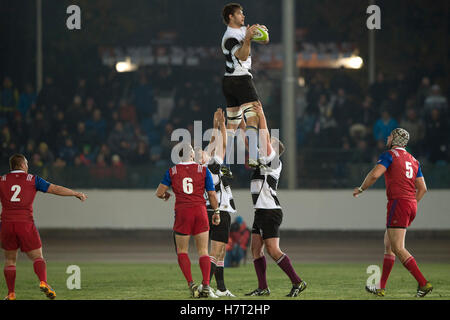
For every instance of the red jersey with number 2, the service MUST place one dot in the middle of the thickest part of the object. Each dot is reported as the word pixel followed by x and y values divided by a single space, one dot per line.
pixel 400 176
pixel 189 181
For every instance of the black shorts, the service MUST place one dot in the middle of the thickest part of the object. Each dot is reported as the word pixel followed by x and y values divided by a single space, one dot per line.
pixel 267 223
pixel 221 232
pixel 239 90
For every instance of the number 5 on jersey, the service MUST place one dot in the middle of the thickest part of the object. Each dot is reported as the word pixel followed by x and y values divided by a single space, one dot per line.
pixel 409 170
pixel 188 188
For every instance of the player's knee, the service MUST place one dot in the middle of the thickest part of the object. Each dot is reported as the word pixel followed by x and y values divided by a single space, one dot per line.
pixel 10 262
pixel 397 249
pixel 274 252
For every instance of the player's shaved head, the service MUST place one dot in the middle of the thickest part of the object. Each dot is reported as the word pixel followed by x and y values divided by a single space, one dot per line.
pixel 230 9
pixel 17 161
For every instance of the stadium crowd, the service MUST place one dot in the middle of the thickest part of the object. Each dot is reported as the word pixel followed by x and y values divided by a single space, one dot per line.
pixel 118 121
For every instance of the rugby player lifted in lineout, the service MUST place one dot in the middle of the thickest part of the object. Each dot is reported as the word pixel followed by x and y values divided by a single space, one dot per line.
pixel 237 84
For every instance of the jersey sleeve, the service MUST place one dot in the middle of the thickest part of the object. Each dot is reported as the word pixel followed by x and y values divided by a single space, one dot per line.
pixel 385 159
pixel 267 159
pixel 41 184
pixel 419 172
pixel 166 179
pixel 232 45
pixel 209 184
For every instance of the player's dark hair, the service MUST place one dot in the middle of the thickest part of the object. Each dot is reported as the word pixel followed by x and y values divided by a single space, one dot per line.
pixel 230 9
pixel 16 161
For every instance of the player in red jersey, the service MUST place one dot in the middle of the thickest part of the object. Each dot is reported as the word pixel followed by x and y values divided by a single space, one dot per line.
pixel 17 229
pixel 189 181
pixel 405 187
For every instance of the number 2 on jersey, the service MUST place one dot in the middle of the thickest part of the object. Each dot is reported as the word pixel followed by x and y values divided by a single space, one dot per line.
pixel 16 189
pixel 409 170
pixel 188 188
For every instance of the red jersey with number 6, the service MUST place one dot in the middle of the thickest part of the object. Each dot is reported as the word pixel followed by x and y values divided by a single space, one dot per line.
pixel 189 181
pixel 400 176
pixel 17 192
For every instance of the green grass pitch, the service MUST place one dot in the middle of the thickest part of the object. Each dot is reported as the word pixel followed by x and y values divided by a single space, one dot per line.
pixel 139 281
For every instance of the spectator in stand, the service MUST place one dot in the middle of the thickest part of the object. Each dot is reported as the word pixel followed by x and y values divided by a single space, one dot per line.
pixel 121 141
pixel 45 155
pixel 342 110
pixel 362 153
pixel 68 152
pixel 96 127
pixel 366 114
pixel 75 112
pixel 424 91
pixel 101 169
pixel 393 105
pixel 9 96
pixel 40 127
pixel 49 94
pixel 26 99
pixel 83 137
pixel 127 112
pixel 326 121
pixel 143 97
pixel 142 155
pixel 436 101
pixel 437 137
pixel 86 158
pixel 383 127
pixel 118 169
pixel 238 242
pixel 378 90
pixel 416 129
pixel 81 89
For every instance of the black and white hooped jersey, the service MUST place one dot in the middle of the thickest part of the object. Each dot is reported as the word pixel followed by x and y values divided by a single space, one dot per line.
pixel 222 186
pixel 231 41
pixel 264 183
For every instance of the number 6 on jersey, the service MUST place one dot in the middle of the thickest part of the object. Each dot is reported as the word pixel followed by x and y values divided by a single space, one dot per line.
pixel 188 188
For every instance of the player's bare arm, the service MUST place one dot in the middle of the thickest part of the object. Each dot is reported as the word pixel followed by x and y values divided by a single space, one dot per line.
pixel 243 52
pixel 161 192
pixel 421 188
pixel 370 179
pixel 264 135
pixel 65 192
pixel 218 143
pixel 215 205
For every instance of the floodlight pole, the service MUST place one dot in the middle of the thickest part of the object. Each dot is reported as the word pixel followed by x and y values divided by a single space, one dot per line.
pixel 38 45
pixel 371 51
pixel 288 93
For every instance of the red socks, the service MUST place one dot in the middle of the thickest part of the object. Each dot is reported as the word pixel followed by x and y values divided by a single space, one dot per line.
pixel 412 267
pixel 40 269
pixel 10 277
pixel 185 266
pixel 388 263
pixel 205 266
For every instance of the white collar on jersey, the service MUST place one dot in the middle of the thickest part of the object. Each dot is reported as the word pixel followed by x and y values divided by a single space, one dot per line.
pixel 188 162
pixel 400 148
pixel 17 171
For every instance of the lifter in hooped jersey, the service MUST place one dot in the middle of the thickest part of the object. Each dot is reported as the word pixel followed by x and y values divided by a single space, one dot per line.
pixel 268 213
pixel 405 187
pixel 17 229
pixel 213 157
pixel 189 181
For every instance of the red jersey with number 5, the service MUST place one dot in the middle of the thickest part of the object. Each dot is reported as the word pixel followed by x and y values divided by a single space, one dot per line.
pixel 189 181
pixel 17 192
pixel 402 169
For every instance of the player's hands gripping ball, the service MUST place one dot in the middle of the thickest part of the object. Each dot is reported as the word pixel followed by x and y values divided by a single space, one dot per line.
pixel 260 34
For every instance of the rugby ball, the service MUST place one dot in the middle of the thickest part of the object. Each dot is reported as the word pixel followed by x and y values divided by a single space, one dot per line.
pixel 261 35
